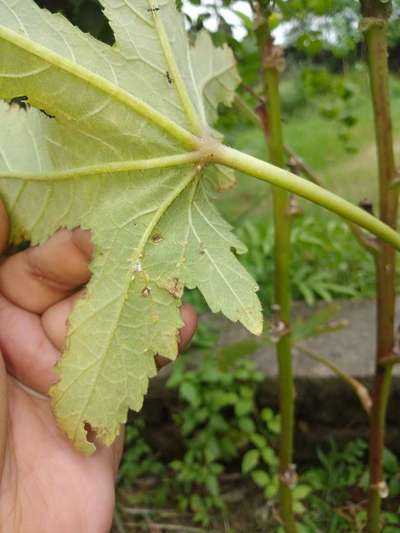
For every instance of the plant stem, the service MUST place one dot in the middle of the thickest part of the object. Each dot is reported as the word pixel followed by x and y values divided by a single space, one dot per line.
pixel 296 163
pixel 360 389
pixel 366 241
pixel 257 120
pixel 274 138
pixel 246 110
pixel 264 171
pixel 390 361
pixel 376 14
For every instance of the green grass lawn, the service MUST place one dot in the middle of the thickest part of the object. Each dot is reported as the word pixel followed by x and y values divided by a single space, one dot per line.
pixel 315 139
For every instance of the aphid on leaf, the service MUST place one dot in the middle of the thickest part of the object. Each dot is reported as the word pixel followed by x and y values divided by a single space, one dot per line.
pixel 20 101
pixel 153 9
pixel 169 79
pixel 47 114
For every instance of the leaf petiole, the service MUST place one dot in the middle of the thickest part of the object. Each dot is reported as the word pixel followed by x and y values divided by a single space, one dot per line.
pixel 264 171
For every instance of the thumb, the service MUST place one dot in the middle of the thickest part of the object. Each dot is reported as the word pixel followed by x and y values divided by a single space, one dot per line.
pixel 4 228
pixel 3 414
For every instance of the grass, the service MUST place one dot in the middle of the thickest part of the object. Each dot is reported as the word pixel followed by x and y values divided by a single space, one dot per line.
pixel 350 173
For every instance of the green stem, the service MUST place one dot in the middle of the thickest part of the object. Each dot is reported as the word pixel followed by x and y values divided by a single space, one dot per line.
pixel 377 486
pixel 283 300
pixel 364 240
pixel 376 14
pixel 246 110
pixel 241 105
pixel 272 127
pixel 390 361
pixel 264 171
pixel 360 390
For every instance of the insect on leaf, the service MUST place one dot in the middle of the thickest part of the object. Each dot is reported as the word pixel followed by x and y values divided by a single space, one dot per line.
pixel 121 156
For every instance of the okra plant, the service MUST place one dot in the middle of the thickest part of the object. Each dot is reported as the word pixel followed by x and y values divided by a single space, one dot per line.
pixel 119 140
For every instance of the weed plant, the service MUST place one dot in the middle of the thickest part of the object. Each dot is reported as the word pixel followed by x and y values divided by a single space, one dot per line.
pixel 225 430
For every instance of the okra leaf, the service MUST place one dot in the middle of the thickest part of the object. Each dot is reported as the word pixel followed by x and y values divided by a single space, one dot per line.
pixel 118 151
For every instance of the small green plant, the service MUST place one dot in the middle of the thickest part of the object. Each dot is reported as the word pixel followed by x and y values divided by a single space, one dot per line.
pixel 218 418
pixel 261 462
pixel 327 262
pixel 391 467
pixel 338 489
pixel 139 458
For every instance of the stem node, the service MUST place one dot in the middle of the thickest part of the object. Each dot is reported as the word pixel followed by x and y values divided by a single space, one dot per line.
pixel 289 477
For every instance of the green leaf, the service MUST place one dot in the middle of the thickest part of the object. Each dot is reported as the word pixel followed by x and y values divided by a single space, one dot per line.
pixel 269 456
pixel 188 391
pixel 123 157
pixel 301 491
pixel 390 462
pixel 243 407
pixel 259 441
pixel 260 478
pixel 298 507
pixel 246 424
pixel 250 460
pixel 271 490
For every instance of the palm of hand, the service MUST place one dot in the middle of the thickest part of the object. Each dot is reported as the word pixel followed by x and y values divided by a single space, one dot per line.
pixel 46 485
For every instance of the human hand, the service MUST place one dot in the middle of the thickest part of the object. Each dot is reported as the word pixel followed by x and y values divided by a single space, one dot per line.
pixel 46 486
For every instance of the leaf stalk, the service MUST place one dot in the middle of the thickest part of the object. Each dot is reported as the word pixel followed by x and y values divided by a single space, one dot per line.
pixel 360 390
pixel 264 171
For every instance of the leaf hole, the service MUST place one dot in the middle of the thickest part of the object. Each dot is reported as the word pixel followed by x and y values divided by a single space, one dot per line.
pixel 90 433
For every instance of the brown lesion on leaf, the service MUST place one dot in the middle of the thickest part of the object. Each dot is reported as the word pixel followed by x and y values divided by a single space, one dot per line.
pixel 156 238
pixel 21 235
pixel 175 287
pixel 146 292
